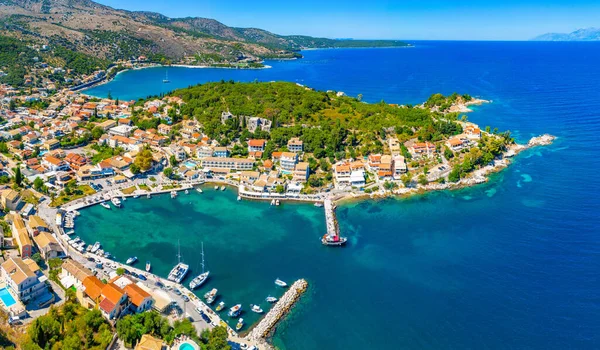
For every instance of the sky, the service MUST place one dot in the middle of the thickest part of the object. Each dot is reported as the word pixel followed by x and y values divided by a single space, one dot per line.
pixel 388 19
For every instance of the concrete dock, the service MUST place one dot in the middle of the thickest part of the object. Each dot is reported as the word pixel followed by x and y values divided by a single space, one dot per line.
pixel 262 330
pixel 333 228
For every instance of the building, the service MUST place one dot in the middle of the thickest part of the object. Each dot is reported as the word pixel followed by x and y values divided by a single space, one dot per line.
pixel 423 148
pixel 73 274
pixel 22 236
pixel 204 151
pixel 106 125
pixel 228 163
pixel 48 246
pixel 75 161
pixel 455 143
pixel 394 145
pixel 249 177
pixel 114 301
pixel 288 161
pixel 148 342
pixel 11 200
pixel 90 293
pixel 220 152
pixel 301 172
pixel 140 300
pixel 295 145
pixel 36 225
pixel 349 174
pixel 121 130
pixel 164 129
pixel 54 164
pixel 23 278
pixel 256 145
pixel 399 167
pixel 472 132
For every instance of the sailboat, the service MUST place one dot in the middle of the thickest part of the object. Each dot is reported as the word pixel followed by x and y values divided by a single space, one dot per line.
pixel 178 273
pixel 201 278
pixel 166 79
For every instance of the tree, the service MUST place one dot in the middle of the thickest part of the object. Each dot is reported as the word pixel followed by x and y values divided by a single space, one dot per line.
pixel 18 176
pixel 280 189
pixel 173 161
pixel 454 175
pixel 406 179
pixel 109 96
pixel 38 183
pixel 422 179
pixel 448 154
pixel 168 172
pixel 12 105
pixel 97 132
pixel 135 169
pixel 144 159
pixel 37 257
pixel 120 271
pixel 389 185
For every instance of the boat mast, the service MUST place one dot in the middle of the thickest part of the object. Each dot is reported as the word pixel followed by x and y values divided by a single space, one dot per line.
pixel 202 257
pixel 178 252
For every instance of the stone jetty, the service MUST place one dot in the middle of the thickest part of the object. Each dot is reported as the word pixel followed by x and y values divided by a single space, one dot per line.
pixel 332 225
pixel 262 330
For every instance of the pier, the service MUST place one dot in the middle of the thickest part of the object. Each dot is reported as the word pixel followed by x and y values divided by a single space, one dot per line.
pixel 333 228
pixel 262 330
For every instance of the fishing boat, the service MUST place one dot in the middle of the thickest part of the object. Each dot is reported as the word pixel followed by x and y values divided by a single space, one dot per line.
pixel 199 190
pixel 235 311
pixel 256 308
pixel 148 266
pixel 180 270
pixel 116 202
pixel 280 283
pixel 271 299
pixel 319 204
pixel 201 278
pixel 105 205
pixel 131 260
pixel 173 194
pixel 220 307
pixel 333 240
pixel 223 188
pixel 216 188
pixel 210 296
pixel 239 324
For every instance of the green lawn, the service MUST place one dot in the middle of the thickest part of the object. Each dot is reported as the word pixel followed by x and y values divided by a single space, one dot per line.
pixel 129 190
pixel 144 187
pixel 81 191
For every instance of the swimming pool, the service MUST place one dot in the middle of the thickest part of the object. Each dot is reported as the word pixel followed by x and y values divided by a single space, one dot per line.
pixel 187 346
pixel 7 298
pixel 189 164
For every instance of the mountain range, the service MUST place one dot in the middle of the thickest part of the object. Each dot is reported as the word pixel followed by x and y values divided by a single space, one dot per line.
pixel 584 34
pixel 104 32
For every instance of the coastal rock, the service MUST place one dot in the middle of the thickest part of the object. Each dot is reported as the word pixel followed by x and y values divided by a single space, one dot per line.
pixel 542 140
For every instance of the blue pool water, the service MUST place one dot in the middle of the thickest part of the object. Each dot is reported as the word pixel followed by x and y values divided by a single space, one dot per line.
pixel 190 164
pixel 186 346
pixel 7 298
pixel 512 264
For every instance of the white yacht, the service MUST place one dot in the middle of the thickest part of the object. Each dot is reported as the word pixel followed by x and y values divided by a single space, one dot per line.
pixel 187 191
pixel 173 194
pixel 239 198
pixel 271 299
pixel 201 278
pixel 216 188
pixel 131 260
pixel 199 190
pixel 235 311
pixel 256 308
pixel 210 296
pixel 96 246
pixel 105 205
pixel 116 201
pixel 180 270
pixel 280 283
pixel 223 188
pixel 148 266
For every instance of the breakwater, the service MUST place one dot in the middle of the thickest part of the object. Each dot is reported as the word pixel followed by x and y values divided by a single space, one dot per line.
pixel 262 330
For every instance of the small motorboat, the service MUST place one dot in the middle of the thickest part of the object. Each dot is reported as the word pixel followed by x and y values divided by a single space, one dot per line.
pixel 199 190
pixel 239 324
pixel 222 188
pixel 272 202
pixel 220 307
pixel 148 196
pixel 96 246
pixel 105 205
pixel 187 192
pixel 123 198
pixel 210 296
pixel 256 308
pixel 277 202
pixel 136 196
pixel 235 310
pixel 216 188
pixel 131 260
pixel 116 202
pixel 280 283
pixel 271 299
pixel 319 205
pixel 173 194
pixel 89 248
pixel 70 232
pixel 239 198
pixel 148 266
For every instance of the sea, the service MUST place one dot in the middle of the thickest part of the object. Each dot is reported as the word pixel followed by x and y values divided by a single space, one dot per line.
pixel 510 264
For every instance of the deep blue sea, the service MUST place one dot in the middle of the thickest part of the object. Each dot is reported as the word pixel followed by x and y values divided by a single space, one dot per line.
pixel 512 264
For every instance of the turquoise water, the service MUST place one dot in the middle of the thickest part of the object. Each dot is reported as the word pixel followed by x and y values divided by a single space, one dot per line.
pixel 512 264
pixel 7 298
pixel 186 346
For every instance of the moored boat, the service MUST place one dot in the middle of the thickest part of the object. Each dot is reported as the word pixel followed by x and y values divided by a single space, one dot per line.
pixel 277 202
pixel 223 188
pixel 271 299
pixel 89 248
pixel 333 240
pixel 131 260
pixel 272 202
pixel 148 196
pixel 216 188
pixel 256 308
pixel 319 204
pixel 105 205
pixel 180 270
pixel 96 246
pixel 220 307
pixel 148 266
pixel 116 202
pixel 280 283
pixel 187 191
pixel 136 196
pixel 199 190
pixel 239 324
pixel 201 278
pixel 235 310
pixel 239 198
pixel 173 194
pixel 210 296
